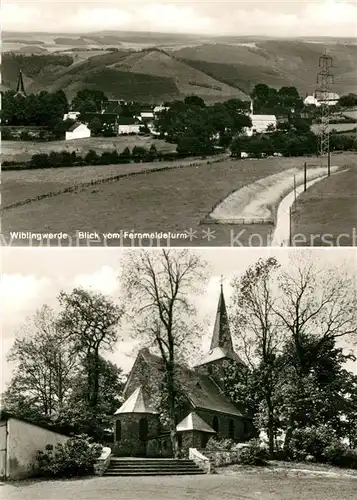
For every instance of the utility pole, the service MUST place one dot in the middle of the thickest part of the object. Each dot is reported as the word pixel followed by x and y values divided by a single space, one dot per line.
pixel 323 93
pixel 305 176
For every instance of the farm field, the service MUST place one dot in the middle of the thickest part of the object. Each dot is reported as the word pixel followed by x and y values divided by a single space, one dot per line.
pixel 339 127
pixel 328 208
pixel 20 185
pixel 23 150
pixel 175 200
pixel 247 484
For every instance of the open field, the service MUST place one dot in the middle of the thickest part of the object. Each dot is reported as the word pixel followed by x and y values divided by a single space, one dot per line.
pixel 328 208
pixel 174 200
pixel 339 127
pixel 21 185
pixel 247 484
pixel 23 150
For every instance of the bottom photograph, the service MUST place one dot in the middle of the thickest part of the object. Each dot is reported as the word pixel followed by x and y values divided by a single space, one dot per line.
pixel 177 373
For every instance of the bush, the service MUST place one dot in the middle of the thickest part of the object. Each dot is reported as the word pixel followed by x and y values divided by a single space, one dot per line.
pixel 253 454
pixel 214 444
pixel 338 454
pixel 310 441
pixel 76 457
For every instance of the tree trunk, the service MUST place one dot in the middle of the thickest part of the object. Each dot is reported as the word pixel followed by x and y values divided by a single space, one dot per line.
pixel 270 430
pixel 172 410
pixel 94 399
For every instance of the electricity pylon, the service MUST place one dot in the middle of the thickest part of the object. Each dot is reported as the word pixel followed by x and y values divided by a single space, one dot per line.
pixel 322 94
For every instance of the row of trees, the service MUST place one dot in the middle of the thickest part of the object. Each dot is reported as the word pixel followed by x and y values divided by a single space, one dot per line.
pixel 290 143
pixel 194 127
pixel 286 322
pixel 44 109
pixel 269 100
pixel 72 159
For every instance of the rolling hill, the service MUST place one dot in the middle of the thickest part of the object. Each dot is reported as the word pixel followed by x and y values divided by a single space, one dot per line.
pixel 274 62
pixel 216 69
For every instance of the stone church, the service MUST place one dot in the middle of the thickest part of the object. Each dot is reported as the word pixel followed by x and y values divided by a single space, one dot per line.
pixel 206 410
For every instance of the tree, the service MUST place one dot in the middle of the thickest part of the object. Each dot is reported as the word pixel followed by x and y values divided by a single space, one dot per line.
pixel 138 153
pixel 159 285
pixel 88 101
pixel 348 101
pixel 45 368
pixel 95 126
pixel 317 307
pixel 258 331
pixel 90 321
pixel 194 100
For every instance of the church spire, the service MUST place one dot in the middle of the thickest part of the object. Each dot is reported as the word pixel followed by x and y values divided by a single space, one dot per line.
pixel 221 333
pixel 221 343
pixel 20 89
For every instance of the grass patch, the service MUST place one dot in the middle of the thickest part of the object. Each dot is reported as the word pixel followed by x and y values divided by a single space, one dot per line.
pixel 328 208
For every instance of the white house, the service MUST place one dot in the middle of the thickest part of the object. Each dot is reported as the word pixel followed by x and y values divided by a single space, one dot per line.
pixel 148 115
pixel 129 125
pixel 331 99
pixel 78 131
pixel 260 123
pixel 71 115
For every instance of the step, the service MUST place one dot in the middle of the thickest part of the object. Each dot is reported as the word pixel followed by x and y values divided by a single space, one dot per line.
pixel 140 466
pixel 151 461
pixel 129 469
pixel 154 473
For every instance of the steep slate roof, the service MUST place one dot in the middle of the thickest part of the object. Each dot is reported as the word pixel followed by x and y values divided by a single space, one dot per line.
pixel 128 120
pixel 194 423
pixel 138 402
pixel 199 389
pixel 74 126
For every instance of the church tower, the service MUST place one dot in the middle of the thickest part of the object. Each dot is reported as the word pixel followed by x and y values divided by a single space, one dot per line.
pixel 221 348
pixel 20 89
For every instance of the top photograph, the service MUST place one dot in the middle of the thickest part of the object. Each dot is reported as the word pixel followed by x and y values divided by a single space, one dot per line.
pixel 183 123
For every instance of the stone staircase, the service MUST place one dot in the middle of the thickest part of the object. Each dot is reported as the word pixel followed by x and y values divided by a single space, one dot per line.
pixel 151 467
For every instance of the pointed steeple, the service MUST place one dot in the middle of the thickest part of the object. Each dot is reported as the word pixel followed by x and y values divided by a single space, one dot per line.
pixel 20 89
pixel 221 343
pixel 221 334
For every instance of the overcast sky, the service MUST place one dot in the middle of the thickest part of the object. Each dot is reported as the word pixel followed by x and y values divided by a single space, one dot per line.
pixel 282 18
pixel 33 277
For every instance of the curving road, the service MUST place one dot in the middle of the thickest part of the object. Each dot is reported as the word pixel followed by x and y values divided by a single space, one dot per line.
pixel 281 236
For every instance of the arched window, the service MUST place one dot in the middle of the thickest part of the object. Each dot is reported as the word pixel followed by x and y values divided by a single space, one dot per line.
pixel 231 429
pixel 245 427
pixel 117 430
pixel 215 424
pixel 143 429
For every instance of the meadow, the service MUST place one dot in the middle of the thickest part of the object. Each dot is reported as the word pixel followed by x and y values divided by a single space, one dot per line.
pixel 177 199
pixel 329 208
